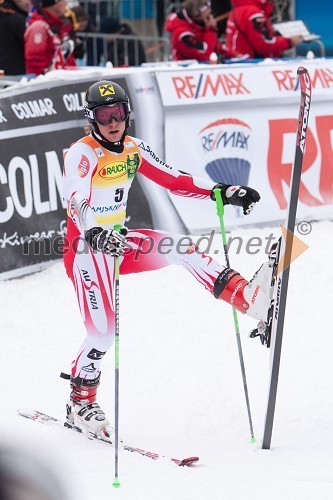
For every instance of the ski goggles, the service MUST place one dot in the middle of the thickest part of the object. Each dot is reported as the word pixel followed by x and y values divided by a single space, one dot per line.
pixel 105 114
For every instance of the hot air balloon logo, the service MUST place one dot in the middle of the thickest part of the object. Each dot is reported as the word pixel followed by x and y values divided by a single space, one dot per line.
pixel 226 145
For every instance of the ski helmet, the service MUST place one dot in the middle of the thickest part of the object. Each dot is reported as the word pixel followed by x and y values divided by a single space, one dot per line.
pixel 107 93
pixel 104 93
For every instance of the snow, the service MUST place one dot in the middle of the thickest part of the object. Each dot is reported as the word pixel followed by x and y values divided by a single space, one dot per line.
pixel 181 390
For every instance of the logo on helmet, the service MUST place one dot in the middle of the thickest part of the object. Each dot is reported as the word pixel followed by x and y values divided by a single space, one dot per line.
pixel 105 90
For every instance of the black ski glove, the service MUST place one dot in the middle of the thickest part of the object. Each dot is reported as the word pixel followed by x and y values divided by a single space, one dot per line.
pixel 108 241
pixel 241 196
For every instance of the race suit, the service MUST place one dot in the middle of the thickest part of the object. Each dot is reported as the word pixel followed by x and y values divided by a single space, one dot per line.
pixel 96 186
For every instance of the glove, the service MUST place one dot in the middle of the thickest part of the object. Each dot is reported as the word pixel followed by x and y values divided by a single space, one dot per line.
pixel 241 196
pixel 108 241
pixel 67 47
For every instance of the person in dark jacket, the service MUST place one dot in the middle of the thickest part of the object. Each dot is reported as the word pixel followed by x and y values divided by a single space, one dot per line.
pixel 250 31
pixel 119 51
pixel 13 14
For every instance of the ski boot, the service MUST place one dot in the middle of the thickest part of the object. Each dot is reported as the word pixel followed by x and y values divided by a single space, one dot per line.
pixel 251 297
pixel 83 412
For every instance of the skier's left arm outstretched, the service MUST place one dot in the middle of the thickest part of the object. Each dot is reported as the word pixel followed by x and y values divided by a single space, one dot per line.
pixel 184 184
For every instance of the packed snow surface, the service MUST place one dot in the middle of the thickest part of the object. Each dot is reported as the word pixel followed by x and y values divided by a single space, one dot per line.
pixel 181 390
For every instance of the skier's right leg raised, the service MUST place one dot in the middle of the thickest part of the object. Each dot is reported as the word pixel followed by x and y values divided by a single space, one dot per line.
pixel 159 249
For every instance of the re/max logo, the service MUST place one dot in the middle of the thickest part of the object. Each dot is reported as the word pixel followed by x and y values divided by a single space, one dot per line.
pixel 194 87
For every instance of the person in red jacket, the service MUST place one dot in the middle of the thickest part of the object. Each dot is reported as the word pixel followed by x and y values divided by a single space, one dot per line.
pixel 47 45
pixel 194 32
pixel 250 31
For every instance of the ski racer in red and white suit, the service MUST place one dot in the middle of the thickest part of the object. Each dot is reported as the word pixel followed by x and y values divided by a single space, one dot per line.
pixel 250 32
pixel 98 174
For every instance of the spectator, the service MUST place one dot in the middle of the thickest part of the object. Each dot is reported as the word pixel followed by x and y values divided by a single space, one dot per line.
pixel 194 32
pixel 76 19
pixel 121 52
pixel 47 45
pixel 87 25
pixel 13 14
pixel 250 31
pixel 79 18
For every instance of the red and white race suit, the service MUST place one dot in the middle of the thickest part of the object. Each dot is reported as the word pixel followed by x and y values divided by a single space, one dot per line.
pixel 96 186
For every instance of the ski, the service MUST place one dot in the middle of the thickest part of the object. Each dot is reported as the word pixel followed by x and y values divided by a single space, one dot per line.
pixel 264 330
pixel 281 275
pixel 44 418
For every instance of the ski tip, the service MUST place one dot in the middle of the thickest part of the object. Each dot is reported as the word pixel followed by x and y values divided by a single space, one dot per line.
pixel 116 483
pixel 301 70
pixel 188 461
pixel 25 413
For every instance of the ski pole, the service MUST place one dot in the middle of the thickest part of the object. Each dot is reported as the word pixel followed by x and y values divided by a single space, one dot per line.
pixel 116 482
pixel 220 213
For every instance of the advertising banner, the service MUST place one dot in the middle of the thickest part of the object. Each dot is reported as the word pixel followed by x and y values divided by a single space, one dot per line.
pixel 251 143
pixel 32 215
pixel 241 83
pixel 36 128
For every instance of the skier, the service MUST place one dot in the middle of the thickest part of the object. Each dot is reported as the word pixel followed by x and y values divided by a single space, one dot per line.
pixel 98 173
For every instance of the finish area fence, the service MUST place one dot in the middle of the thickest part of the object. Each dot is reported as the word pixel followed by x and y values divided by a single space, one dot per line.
pixel 124 50
pixel 146 17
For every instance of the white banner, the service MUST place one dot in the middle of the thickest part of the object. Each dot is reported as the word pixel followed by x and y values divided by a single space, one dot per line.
pixel 247 82
pixel 251 143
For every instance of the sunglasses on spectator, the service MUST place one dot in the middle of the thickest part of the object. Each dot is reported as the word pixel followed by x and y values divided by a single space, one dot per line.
pixel 105 114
